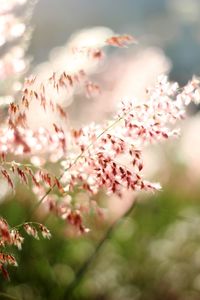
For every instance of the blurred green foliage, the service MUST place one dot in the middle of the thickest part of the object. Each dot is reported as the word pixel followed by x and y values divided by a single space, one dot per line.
pixel 125 268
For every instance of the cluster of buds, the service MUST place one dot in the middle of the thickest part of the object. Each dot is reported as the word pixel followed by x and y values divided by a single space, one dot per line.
pixel 121 40
pixel 191 92
pixel 103 148
pixel 14 36
pixel 12 236
pixel 26 141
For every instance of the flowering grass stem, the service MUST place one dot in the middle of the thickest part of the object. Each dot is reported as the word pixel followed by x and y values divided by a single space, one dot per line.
pixel 74 162
pixel 84 268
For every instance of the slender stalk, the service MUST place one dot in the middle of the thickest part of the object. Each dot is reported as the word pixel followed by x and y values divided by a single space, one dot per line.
pixel 74 162
pixel 22 224
pixel 84 268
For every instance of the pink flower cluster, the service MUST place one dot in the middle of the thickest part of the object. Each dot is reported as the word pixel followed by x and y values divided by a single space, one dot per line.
pixel 12 236
pixel 136 124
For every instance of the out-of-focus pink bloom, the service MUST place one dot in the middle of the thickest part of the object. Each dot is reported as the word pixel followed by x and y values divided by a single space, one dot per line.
pixel 10 28
pixel 8 5
pixel 128 80
pixel 189 149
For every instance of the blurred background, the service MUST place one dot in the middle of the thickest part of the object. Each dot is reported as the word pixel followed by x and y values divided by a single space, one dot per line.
pixel 173 25
pixel 155 253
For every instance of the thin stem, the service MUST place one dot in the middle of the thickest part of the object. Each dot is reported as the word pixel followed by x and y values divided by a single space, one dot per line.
pixel 73 163
pixel 83 269
pixel 22 224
